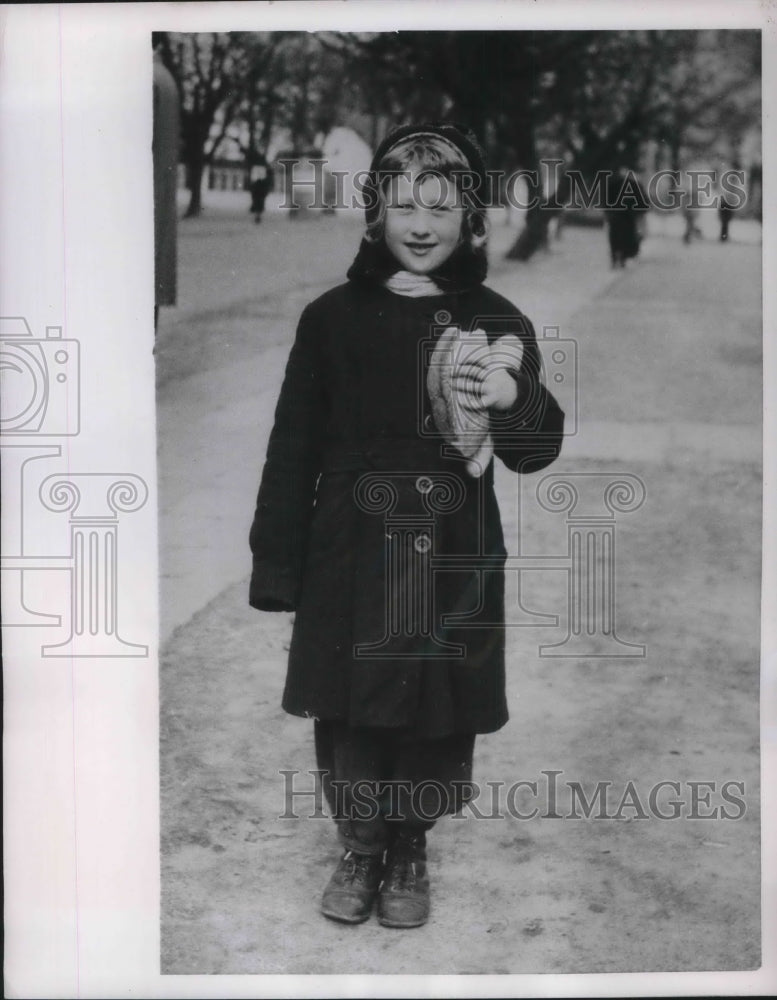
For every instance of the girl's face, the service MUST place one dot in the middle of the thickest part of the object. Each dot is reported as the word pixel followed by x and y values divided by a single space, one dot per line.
pixel 423 221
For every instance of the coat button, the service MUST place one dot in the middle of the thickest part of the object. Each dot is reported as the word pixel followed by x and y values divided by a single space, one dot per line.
pixel 422 543
pixel 424 484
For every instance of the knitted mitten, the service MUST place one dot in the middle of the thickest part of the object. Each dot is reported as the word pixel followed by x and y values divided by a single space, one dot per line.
pixel 462 423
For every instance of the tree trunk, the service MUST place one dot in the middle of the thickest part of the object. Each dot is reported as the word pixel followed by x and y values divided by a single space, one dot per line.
pixel 674 151
pixel 194 172
pixel 534 234
pixel 535 231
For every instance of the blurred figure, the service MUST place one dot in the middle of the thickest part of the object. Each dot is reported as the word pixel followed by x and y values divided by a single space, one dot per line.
pixel 755 190
pixel 261 186
pixel 624 214
pixel 690 207
pixel 725 211
pixel 692 231
pixel 727 205
pixel 165 143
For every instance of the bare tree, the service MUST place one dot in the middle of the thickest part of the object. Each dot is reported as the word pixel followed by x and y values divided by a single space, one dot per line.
pixel 589 97
pixel 209 70
pixel 260 97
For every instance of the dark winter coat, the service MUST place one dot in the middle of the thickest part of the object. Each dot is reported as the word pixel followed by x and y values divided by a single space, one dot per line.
pixel 628 204
pixel 361 505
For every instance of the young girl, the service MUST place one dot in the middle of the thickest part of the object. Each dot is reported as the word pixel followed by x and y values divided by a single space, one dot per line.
pixel 376 519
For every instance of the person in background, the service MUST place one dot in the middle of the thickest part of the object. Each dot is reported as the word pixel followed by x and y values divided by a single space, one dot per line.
pixel 690 203
pixel 725 211
pixel 624 213
pixel 727 202
pixel 165 146
pixel 261 186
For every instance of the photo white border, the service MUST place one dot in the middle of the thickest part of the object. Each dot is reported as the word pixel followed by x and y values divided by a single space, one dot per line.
pixel 81 826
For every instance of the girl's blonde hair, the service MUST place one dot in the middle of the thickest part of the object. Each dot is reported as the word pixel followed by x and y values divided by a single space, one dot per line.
pixel 424 151
pixel 427 154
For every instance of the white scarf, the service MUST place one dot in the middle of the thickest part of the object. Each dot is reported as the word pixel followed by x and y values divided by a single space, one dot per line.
pixel 412 285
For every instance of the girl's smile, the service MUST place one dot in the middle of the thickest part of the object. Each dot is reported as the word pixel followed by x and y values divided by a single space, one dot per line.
pixel 423 221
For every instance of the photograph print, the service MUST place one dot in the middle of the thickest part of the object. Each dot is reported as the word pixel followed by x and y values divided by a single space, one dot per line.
pixel 458 347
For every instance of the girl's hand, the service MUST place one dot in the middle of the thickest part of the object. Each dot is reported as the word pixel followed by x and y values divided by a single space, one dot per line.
pixel 484 381
pixel 486 388
pixel 499 390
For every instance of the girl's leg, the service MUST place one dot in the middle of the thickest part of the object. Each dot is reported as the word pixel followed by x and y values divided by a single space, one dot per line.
pixel 354 761
pixel 432 779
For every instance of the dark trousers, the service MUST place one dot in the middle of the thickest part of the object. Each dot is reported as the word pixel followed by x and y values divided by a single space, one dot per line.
pixel 381 783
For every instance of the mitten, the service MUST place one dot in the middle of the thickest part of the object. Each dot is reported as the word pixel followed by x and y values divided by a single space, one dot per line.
pixel 463 423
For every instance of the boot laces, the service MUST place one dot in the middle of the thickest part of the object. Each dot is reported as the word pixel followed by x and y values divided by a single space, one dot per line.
pixel 357 868
pixel 403 873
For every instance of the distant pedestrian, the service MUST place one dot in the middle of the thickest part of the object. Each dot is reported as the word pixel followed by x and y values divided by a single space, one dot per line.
pixel 725 212
pixel 624 213
pixel 690 208
pixel 261 186
pixel 692 230
pixel 165 145
pixel 369 426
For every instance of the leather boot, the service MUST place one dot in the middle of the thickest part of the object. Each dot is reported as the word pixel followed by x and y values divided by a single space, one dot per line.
pixel 352 889
pixel 404 895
